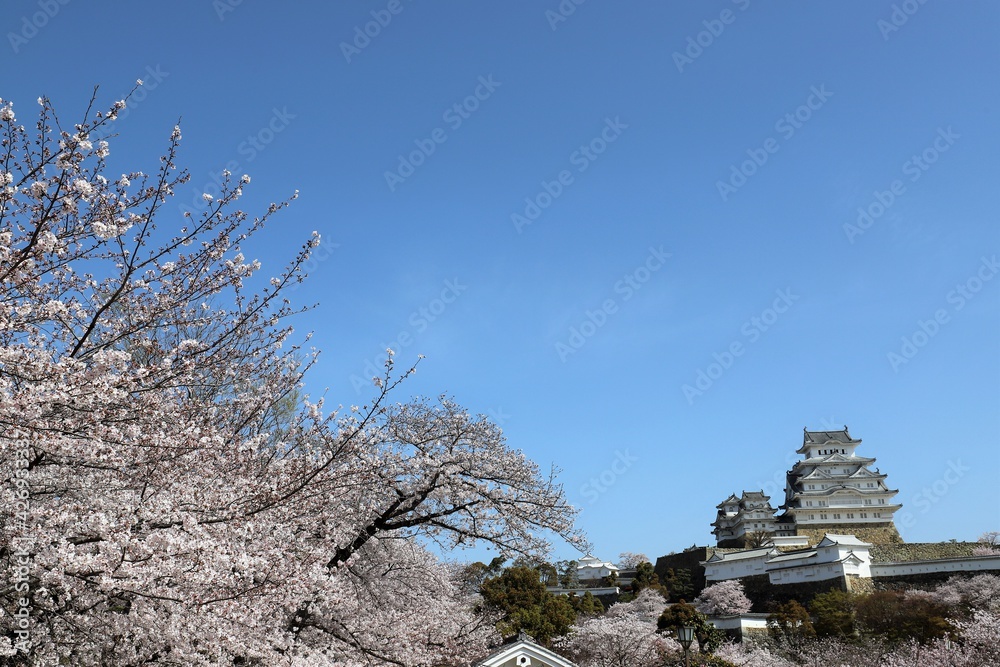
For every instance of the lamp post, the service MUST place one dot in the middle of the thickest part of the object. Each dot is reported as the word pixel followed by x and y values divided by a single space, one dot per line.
pixel 685 635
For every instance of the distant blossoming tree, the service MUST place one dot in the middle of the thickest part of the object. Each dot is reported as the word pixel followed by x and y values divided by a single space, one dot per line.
pixel 752 655
pixel 990 542
pixel 628 560
pixel 725 598
pixel 625 637
pixel 175 501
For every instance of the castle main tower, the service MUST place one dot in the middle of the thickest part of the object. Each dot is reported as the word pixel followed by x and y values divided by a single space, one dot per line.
pixel 834 490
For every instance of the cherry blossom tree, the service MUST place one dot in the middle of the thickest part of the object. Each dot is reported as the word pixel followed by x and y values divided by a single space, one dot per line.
pixel 647 606
pixel 966 594
pixel 990 544
pixel 978 645
pixel 177 501
pixel 725 598
pixel 752 655
pixel 625 637
pixel 990 537
pixel 628 560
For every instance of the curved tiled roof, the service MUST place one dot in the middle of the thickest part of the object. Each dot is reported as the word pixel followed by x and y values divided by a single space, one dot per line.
pixel 834 459
pixel 818 493
pixel 821 437
pixel 813 438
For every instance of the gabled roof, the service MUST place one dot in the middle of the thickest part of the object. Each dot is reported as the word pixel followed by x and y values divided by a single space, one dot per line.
pixel 847 490
pixel 755 495
pixel 741 555
pixel 831 539
pixel 865 472
pixel 730 500
pixel 793 557
pixel 523 646
pixel 813 438
pixel 822 437
pixel 816 473
pixel 593 561
pixel 833 459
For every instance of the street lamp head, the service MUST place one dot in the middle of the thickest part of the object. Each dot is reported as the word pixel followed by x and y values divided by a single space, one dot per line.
pixel 685 635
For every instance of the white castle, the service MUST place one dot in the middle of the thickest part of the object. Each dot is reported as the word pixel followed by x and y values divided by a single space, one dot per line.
pixel 830 489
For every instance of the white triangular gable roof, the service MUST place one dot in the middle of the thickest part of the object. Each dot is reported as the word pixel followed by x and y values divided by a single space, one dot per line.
pixel 829 539
pixel 851 558
pixel 517 653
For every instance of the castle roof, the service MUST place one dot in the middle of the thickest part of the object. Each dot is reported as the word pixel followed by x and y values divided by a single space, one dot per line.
pixel 843 540
pixel 833 459
pixel 742 554
pixel 813 438
pixel 755 495
pixel 731 499
pixel 836 486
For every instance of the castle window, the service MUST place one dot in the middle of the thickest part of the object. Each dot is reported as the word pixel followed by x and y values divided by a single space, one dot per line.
pixel 864 515
pixel 836 516
pixel 822 516
pixel 850 516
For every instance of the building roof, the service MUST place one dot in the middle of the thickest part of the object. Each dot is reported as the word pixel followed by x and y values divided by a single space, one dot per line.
pixel 730 500
pixel 865 472
pixel 793 557
pixel 821 437
pixel 842 540
pixel 813 438
pixel 840 489
pixel 522 645
pixel 837 458
pixel 796 509
pixel 742 555
pixel 589 561
pixel 755 495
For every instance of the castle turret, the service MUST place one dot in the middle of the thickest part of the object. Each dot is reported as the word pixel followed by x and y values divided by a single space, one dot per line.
pixel 750 513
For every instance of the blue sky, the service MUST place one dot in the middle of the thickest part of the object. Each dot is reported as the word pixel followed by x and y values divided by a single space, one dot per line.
pixel 698 170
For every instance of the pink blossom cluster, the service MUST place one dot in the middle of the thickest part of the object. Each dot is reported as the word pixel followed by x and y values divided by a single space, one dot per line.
pixel 725 598
pixel 189 504
pixel 625 635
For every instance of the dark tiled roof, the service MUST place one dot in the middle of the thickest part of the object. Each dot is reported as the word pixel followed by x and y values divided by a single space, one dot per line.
pixel 823 437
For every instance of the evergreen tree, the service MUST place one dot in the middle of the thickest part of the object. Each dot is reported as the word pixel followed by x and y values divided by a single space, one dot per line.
pixel 833 612
pixel 520 598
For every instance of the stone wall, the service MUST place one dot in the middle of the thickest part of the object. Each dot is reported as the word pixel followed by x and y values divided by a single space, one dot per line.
pixel 859 585
pixel 687 560
pixel 901 553
pixel 925 581
pixel 764 595
pixel 875 533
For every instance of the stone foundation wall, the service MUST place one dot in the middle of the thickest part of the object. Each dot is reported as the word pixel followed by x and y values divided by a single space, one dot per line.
pixel 875 533
pixel 902 553
pixel 686 560
pixel 859 585
pixel 924 581
pixel 734 543
pixel 764 595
